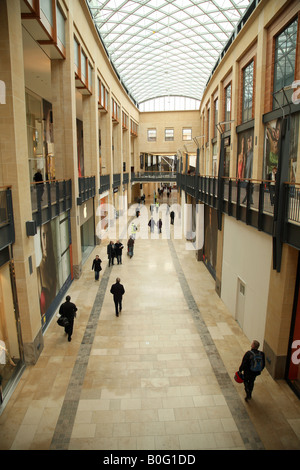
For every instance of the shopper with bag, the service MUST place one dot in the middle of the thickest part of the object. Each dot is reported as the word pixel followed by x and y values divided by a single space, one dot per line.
pixel 252 365
pixel 68 311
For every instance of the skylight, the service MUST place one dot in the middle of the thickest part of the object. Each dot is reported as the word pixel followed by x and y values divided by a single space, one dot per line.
pixel 165 47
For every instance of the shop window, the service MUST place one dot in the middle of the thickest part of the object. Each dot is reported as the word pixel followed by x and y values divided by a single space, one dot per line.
pixel 293 372
pixel 151 135
pixel 247 104
pixel 284 64
pixel 272 147
pixel 187 134
pixel 34 115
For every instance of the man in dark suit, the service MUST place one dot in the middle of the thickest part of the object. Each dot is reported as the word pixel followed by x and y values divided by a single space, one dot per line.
pixel 68 310
pixel 117 290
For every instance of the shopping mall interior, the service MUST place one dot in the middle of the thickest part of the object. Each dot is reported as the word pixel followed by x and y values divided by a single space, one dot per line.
pixel 171 127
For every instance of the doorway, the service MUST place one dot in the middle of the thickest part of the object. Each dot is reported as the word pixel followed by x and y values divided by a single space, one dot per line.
pixel 240 302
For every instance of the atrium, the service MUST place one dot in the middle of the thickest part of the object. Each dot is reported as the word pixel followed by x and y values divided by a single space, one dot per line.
pixel 161 137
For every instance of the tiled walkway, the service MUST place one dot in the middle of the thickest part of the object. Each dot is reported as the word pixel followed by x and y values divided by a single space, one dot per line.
pixel 159 377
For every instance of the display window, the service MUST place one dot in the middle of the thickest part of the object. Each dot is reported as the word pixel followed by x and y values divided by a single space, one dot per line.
pixel 245 154
pixel 272 147
pixel 11 351
pixel 210 239
pixel 52 249
pixel 293 369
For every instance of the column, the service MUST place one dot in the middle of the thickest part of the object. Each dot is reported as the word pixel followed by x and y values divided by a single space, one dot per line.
pixel 259 94
pixel 65 134
pixel 91 143
pixel 15 172
pixel 279 312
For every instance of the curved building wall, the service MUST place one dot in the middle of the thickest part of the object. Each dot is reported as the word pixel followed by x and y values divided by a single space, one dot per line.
pixel 240 96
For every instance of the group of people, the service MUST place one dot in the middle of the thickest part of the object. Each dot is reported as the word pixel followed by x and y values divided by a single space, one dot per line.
pixel 114 250
pixel 68 309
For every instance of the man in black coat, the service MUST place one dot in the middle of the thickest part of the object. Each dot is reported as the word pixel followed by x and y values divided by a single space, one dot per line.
pixel 111 253
pixel 117 290
pixel 68 310
pixel 96 266
pixel 252 365
pixel 118 249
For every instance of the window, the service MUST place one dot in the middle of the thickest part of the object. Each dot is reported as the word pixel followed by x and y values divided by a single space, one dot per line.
pixel 227 114
pixel 90 76
pixel 60 26
pixel 207 124
pixel 216 105
pixel 186 134
pixel 151 133
pixel 247 105
pixel 76 54
pixel 284 62
pixel 83 67
pixel 169 134
pixel 46 7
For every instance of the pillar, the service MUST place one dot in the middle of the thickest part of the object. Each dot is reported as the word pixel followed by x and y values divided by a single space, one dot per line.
pixel 15 173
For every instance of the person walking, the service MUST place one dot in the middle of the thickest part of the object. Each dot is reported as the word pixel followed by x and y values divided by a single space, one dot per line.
pixel 252 365
pixel 96 266
pixel 118 248
pixel 68 310
pixel 130 244
pixel 111 253
pixel 118 291
pixel 172 215
pixel 159 225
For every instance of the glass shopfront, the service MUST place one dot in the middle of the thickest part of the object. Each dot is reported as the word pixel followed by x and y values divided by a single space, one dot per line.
pixel 272 147
pixel 87 228
pixel 11 350
pixel 210 239
pixel 52 250
pixel 40 137
pixel 293 370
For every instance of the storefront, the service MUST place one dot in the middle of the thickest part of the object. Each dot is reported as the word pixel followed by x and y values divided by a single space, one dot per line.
pixel 293 365
pixel 53 259
pixel 210 239
pixel 40 137
pixel 11 349
pixel 87 228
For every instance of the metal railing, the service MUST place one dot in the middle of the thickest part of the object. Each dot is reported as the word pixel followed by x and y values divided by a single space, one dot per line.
pixel 49 199
pixel 86 188
pixel 292 193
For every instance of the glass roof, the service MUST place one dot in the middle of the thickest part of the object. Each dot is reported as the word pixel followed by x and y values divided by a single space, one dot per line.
pixel 165 47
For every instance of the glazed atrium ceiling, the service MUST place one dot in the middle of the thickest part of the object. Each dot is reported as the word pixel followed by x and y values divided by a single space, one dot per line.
pixel 163 48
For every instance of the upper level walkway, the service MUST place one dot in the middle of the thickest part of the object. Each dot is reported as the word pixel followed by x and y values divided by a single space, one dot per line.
pixel 158 377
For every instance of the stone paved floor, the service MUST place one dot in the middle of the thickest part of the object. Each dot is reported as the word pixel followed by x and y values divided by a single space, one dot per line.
pixel 158 377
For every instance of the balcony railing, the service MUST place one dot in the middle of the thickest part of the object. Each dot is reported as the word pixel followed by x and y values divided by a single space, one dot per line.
pixel 293 202
pixel 251 201
pixel 104 183
pixel 86 188
pixel 49 199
